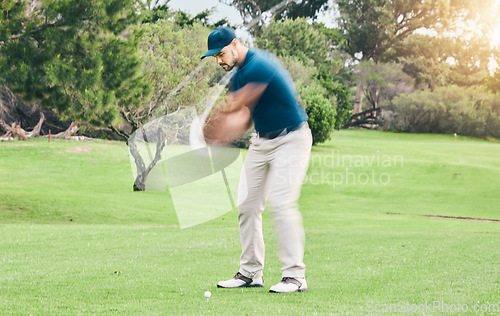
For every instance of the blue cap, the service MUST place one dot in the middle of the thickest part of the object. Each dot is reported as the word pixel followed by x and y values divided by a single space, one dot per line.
pixel 218 39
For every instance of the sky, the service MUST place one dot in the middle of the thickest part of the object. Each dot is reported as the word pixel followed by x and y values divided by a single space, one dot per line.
pixel 496 33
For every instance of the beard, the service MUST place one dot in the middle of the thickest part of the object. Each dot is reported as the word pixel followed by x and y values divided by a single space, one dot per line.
pixel 230 66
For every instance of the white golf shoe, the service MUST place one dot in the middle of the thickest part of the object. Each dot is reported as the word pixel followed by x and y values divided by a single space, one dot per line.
pixel 289 285
pixel 240 280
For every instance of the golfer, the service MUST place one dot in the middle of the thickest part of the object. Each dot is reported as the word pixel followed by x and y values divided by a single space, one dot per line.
pixel 262 92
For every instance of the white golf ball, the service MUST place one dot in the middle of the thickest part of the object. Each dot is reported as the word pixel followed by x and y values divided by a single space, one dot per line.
pixel 208 294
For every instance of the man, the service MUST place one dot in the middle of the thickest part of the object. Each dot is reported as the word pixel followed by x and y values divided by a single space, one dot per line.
pixel 262 91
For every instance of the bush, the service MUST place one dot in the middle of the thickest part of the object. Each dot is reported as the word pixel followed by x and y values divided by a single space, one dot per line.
pixel 302 72
pixel 472 112
pixel 320 111
pixel 341 94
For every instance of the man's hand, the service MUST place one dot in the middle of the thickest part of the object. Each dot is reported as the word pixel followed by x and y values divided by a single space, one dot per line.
pixel 232 118
pixel 224 128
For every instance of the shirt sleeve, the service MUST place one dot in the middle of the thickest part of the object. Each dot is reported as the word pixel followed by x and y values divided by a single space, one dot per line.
pixel 261 72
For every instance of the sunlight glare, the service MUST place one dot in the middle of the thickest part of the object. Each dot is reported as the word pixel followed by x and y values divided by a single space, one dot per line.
pixel 495 36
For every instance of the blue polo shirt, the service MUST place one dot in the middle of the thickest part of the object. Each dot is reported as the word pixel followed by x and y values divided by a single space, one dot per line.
pixel 279 106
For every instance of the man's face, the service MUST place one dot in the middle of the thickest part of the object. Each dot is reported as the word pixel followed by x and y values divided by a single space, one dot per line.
pixel 227 58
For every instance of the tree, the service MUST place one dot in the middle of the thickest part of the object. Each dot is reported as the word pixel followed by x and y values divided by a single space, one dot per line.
pixel 423 58
pixel 76 57
pixel 291 9
pixel 437 61
pixel 493 82
pixel 470 61
pixel 156 12
pixel 373 27
pixel 295 38
pixel 382 82
pixel 306 8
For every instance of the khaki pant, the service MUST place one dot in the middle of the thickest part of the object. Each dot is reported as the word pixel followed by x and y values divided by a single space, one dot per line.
pixel 273 168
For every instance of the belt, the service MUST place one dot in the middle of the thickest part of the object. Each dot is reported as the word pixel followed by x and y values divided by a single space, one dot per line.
pixel 281 132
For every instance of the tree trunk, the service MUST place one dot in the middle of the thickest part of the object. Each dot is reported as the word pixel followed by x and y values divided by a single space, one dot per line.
pixel 365 119
pixel 15 131
pixel 358 101
pixel 5 126
pixel 139 183
pixel 36 130
pixel 8 132
pixel 142 171
pixel 120 133
pixel 73 128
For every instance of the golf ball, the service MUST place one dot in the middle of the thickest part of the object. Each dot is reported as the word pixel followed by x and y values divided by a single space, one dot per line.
pixel 208 294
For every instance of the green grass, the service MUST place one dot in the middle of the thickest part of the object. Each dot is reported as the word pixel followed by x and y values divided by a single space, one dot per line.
pixel 69 220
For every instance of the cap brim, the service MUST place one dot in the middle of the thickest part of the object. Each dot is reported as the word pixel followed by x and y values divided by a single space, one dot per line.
pixel 211 52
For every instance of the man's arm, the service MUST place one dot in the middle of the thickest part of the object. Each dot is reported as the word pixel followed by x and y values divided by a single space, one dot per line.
pixel 247 96
pixel 233 118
